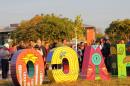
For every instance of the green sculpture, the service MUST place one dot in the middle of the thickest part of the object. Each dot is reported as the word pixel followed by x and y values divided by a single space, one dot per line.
pixel 121 54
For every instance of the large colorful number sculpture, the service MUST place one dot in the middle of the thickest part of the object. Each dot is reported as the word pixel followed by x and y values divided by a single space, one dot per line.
pixel 27 68
pixel 56 57
pixel 121 54
pixel 93 64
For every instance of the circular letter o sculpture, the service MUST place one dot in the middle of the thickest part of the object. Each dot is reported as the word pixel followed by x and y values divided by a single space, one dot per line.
pixel 56 57
pixel 27 68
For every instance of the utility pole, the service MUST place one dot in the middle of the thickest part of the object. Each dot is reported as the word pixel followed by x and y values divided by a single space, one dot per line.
pixel 76 40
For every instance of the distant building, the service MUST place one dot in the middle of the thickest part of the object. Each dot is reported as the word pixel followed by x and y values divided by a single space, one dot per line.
pixel 5 33
pixel 90 34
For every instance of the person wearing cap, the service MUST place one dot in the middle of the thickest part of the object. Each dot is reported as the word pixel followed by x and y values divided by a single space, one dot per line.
pixel 5 55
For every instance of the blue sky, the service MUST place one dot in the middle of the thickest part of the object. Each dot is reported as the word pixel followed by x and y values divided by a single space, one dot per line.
pixel 98 13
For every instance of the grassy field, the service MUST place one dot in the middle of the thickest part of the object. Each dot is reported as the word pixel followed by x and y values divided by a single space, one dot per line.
pixel 111 82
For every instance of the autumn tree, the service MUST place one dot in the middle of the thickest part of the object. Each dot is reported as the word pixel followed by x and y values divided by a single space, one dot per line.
pixel 47 27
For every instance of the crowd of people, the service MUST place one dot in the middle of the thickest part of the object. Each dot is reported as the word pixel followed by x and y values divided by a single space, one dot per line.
pixel 7 51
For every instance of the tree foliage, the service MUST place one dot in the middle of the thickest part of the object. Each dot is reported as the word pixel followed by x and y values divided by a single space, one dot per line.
pixel 24 32
pixel 55 28
pixel 119 29
pixel 99 35
pixel 78 27
pixel 46 27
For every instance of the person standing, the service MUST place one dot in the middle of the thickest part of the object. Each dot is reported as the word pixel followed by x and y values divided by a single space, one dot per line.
pixel 64 42
pixel 106 53
pixel 5 55
pixel 31 44
pixel 42 51
pixel 41 48
pixel 12 49
pixel 21 45
pixel 79 52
